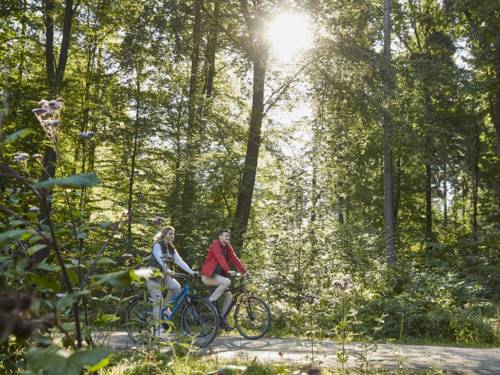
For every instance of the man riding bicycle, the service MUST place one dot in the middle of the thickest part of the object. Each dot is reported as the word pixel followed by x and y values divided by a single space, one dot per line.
pixel 215 269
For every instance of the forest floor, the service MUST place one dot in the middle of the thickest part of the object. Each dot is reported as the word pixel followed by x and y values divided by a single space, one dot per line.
pixel 454 360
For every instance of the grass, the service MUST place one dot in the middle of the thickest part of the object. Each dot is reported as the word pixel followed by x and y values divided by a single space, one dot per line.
pixel 143 363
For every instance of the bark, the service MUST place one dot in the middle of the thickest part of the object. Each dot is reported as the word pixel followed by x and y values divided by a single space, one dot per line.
pixel 55 72
pixel 429 237
pixel 428 205
pixel 257 49
pixel 397 192
pixel 189 173
pixel 445 195
pixel 247 182
pixel 475 188
pixel 390 227
pixel 133 162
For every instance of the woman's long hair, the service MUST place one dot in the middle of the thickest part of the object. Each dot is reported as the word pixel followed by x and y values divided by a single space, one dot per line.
pixel 159 237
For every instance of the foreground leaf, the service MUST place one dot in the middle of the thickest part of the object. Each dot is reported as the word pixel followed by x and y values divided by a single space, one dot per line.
pixel 79 180
pixel 23 133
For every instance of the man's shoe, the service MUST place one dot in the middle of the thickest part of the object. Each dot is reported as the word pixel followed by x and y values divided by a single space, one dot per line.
pixel 224 324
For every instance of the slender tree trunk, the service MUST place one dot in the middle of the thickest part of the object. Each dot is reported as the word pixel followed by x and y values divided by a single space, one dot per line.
pixel 247 182
pixel 429 237
pixel 390 227
pixel 55 72
pixel 445 195
pixel 133 161
pixel 475 187
pixel 189 171
pixel 397 192
pixel 428 205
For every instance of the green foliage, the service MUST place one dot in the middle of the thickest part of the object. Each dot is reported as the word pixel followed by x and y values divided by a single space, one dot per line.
pixel 132 89
pixel 53 360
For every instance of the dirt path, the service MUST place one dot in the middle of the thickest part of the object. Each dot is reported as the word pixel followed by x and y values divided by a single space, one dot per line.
pixel 452 359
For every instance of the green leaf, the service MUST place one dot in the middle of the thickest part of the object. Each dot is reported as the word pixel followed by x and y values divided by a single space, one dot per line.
pixel 79 180
pixel 87 358
pixel 103 363
pixel 105 319
pixel 47 267
pixel 120 279
pixel 70 299
pixel 23 133
pixel 33 249
pixel 16 235
pixel 105 260
pixel 55 361
pixel 42 282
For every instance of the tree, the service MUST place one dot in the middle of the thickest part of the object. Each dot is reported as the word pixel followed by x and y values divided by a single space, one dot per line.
pixel 390 225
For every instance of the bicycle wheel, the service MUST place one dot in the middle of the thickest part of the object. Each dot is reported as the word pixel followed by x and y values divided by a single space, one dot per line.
pixel 252 318
pixel 138 314
pixel 200 321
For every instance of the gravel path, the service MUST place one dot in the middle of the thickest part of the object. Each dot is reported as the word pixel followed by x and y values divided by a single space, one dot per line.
pixel 454 360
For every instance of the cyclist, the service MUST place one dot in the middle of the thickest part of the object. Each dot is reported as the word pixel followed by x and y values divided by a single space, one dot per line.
pixel 163 250
pixel 215 269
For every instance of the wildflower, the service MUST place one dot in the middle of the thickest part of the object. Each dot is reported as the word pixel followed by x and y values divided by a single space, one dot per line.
pixel 37 157
pixel 115 226
pixel 310 298
pixel 55 104
pixel 34 209
pixel 343 284
pixel 51 123
pixel 86 135
pixel 158 220
pixel 144 272
pixel 20 157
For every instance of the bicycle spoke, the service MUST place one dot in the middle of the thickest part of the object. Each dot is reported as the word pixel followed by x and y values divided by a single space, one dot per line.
pixel 252 318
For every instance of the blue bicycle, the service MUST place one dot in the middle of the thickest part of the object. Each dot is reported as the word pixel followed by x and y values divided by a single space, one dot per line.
pixel 199 319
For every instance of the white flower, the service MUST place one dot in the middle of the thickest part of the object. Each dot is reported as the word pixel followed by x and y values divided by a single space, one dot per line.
pixel 34 209
pixel 86 135
pixel 37 157
pixel 144 272
pixel 20 157
pixel 51 123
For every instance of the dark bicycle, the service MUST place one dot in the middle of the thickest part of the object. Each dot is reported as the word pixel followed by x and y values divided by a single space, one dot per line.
pixel 198 316
pixel 252 316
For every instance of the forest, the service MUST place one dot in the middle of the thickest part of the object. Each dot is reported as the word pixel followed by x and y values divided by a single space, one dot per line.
pixel 351 147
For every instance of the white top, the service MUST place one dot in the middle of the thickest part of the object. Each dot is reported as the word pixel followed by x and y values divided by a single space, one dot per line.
pixel 159 256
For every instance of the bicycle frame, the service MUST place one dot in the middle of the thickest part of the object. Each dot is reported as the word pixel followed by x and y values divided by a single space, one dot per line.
pixel 183 295
pixel 241 291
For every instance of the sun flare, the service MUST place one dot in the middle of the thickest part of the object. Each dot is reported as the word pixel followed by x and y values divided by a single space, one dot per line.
pixel 289 34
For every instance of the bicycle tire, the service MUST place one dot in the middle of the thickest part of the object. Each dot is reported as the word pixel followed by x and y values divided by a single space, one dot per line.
pixel 192 310
pixel 131 316
pixel 238 321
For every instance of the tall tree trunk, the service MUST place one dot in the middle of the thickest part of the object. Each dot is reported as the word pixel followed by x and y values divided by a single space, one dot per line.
pixel 189 172
pixel 390 227
pixel 247 182
pixel 429 237
pixel 133 161
pixel 397 192
pixel 55 72
pixel 445 194
pixel 428 205
pixel 475 187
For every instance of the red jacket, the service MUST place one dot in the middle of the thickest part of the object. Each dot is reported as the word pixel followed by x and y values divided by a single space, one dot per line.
pixel 215 257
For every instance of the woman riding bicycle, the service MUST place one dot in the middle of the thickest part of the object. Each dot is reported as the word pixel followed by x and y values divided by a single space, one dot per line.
pixel 163 250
